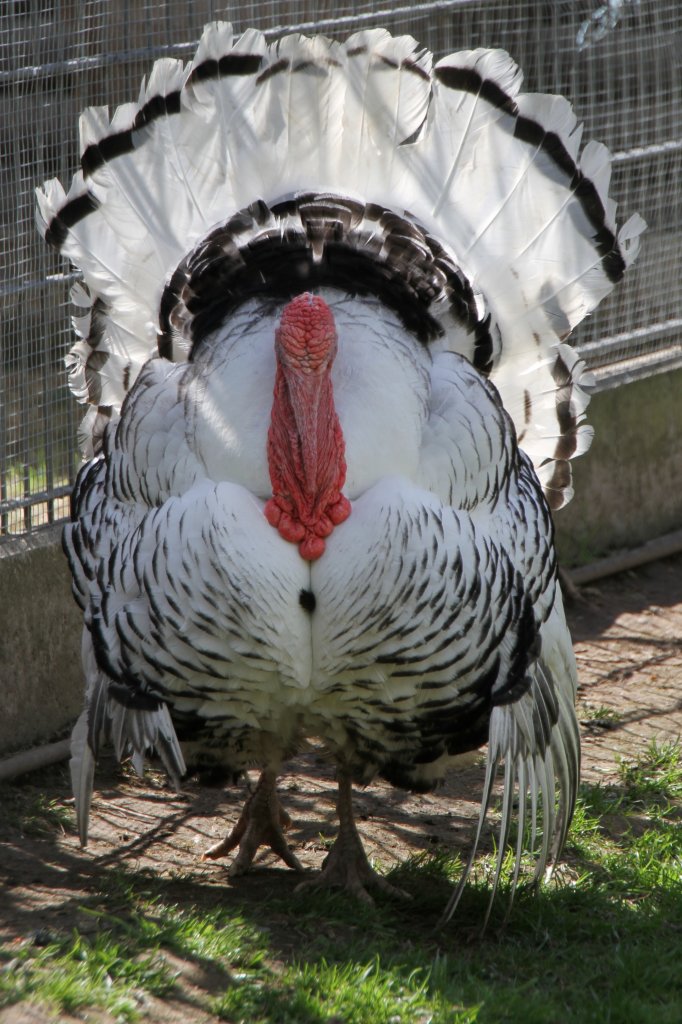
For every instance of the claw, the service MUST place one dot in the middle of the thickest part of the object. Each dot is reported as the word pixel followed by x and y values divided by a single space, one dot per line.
pixel 346 866
pixel 262 822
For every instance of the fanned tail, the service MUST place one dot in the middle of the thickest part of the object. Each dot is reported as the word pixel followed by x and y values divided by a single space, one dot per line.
pixel 445 185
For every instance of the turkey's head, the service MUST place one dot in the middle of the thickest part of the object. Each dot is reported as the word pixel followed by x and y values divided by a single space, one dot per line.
pixel 305 442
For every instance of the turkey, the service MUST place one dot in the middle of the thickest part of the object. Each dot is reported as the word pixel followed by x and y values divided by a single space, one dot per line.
pixel 325 292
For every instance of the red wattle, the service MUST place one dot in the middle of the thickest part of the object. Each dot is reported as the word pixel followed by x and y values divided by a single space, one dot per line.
pixel 305 441
pixel 323 527
pixel 311 548
pixel 272 512
pixel 339 511
pixel 291 529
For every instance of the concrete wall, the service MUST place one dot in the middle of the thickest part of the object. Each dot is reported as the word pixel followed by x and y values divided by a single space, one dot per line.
pixel 41 684
pixel 628 490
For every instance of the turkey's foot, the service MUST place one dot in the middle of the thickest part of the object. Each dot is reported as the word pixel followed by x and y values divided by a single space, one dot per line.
pixel 262 822
pixel 346 865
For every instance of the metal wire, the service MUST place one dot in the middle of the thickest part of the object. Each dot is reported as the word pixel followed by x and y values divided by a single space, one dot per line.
pixel 619 62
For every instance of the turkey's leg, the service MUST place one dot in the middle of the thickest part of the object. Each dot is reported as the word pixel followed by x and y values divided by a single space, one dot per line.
pixel 346 865
pixel 261 823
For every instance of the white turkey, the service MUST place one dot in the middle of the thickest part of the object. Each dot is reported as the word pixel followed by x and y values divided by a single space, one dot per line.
pixel 326 288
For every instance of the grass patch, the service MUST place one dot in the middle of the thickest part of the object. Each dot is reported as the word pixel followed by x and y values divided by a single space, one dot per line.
pixel 657 776
pixel 39 450
pixel 70 974
pixel 30 481
pixel 32 813
pixel 602 943
pixel 600 716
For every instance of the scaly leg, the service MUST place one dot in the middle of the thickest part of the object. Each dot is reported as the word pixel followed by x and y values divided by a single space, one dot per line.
pixel 261 823
pixel 346 865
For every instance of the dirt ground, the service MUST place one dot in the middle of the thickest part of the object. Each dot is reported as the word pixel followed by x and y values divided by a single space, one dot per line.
pixel 628 638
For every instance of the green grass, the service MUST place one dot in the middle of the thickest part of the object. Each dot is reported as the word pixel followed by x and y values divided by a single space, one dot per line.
pixel 602 942
pixel 31 480
pixel 33 430
pixel 601 715
pixel 34 813
pixel 73 973
pixel 657 775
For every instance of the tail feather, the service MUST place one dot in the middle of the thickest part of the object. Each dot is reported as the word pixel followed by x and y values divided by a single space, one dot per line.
pixel 386 103
pixel 464 114
pixel 309 102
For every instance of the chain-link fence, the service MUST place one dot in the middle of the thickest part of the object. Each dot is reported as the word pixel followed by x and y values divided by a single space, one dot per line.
pixel 618 62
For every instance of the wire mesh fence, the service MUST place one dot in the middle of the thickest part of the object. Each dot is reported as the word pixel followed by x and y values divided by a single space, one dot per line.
pixel 618 62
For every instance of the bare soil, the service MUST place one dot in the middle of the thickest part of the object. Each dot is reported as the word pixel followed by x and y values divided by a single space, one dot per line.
pixel 628 639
